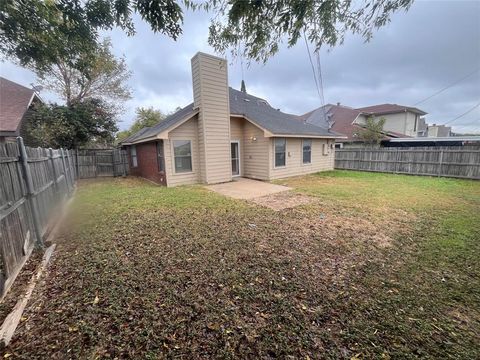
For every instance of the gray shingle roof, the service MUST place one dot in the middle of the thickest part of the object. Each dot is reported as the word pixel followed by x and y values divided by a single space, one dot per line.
pixel 145 133
pixel 254 109
pixel 278 123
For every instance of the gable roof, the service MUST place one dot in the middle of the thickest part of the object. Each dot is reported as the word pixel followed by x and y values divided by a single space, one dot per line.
pixel 259 112
pixel 342 120
pixel 15 100
pixel 254 109
pixel 390 109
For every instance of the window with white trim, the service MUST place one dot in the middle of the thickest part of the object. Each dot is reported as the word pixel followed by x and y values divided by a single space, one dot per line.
pixel 160 156
pixel 133 155
pixel 182 150
pixel 280 151
pixel 307 151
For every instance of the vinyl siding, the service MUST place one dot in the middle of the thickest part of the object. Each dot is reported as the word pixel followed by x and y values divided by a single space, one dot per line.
pixel 294 158
pixel 402 123
pixel 255 155
pixel 210 83
pixel 186 131
pixel 236 133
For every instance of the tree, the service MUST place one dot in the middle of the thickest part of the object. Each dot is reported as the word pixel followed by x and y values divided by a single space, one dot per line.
pixel 104 78
pixel 372 132
pixel 39 32
pixel 255 29
pixel 145 117
pixel 72 126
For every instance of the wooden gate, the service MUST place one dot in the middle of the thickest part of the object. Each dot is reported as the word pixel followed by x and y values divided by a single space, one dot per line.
pixel 92 163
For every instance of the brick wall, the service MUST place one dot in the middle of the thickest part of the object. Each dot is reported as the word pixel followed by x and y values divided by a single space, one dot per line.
pixel 147 163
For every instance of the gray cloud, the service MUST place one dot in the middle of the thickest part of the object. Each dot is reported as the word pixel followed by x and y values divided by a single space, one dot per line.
pixel 417 54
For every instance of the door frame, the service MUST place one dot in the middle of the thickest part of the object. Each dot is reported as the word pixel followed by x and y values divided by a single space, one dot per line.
pixel 239 157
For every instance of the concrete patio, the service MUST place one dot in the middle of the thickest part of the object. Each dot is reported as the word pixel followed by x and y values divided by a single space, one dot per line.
pixel 242 188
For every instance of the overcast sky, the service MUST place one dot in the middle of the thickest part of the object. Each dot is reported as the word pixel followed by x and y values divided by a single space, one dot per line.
pixel 420 52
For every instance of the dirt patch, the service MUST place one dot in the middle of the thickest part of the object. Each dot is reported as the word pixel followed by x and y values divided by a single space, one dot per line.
pixel 284 200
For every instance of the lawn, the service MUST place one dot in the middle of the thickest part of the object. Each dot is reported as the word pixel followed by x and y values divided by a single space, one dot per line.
pixel 378 266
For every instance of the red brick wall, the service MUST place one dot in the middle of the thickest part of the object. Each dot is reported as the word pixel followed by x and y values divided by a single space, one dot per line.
pixel 147 163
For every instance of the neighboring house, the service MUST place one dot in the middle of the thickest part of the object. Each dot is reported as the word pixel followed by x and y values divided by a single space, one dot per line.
pixel 16 102
pixel 226 133
pixel 348 122
pixel 439 131
pixel 399 119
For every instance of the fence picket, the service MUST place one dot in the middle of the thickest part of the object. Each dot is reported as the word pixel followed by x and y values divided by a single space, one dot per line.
pixel 459 162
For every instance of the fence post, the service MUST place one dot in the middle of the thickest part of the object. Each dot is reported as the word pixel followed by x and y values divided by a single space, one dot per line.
pixel 62 155
pixel 54 170
pixel 76 162
pixel 440 164
pixel 70 168
pixel 123 156
pixel 27 175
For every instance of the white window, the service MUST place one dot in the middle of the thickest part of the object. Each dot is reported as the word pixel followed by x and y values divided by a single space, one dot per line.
pixel 182 150
pixel 280 151
pixel 160 156
pixel 307 151
pixel 133 154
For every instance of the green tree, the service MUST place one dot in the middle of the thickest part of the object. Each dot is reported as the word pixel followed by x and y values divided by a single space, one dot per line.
pixel 145 117
pixel 255 29
pixel 104 78
pixel 72 126
pixel 372 132
pixel 38 32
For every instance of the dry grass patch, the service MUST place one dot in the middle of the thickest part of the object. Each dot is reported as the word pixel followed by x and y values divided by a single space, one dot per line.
pixel 283 200
pixel 147 272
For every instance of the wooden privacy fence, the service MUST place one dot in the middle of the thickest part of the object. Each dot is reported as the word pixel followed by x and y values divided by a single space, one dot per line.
pixel 459 162
pixel 91 163
pixel 33 183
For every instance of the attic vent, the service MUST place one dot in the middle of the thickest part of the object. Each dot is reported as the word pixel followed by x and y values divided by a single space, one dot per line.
pixel 247 100
pixel 262 102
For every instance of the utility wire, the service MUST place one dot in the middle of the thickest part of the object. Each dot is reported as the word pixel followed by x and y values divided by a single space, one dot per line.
pixel 317 75
pixel 313 67
pixel 462 115
pixel 447 87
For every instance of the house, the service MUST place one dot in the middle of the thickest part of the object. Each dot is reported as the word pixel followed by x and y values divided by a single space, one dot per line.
pixel 399 119
pixel 439 130
pixel 16 102
pixel 227 133
pixel 349 122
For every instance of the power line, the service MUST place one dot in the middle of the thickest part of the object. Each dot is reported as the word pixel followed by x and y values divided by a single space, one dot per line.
pixel 313 67
pixel 317 76
pixel 447 87
pixel 462 115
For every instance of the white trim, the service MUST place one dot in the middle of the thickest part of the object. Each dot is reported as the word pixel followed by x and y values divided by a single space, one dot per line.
pixel 239 157
pixel 311 148
pixel 274 154
pixel 174 172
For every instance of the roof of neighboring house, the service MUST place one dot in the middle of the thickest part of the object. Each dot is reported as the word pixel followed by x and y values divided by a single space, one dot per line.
pixel 254 109
pixel 341 119
pixel 390 109
pixel 15 100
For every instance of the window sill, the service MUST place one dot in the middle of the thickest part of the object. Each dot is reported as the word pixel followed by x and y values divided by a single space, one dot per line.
pixel 184 173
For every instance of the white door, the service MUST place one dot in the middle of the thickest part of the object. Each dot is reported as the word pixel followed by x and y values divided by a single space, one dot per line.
pixel 235 151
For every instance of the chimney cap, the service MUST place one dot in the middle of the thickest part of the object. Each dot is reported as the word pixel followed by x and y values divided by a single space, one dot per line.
pixel 338 103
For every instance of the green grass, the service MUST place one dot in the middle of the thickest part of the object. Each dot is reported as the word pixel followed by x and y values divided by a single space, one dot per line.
pixel 380 266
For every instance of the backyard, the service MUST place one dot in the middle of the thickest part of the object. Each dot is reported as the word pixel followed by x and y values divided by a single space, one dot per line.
pixel 375 265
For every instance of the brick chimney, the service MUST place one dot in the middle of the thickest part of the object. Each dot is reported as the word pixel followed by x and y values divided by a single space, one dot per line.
pixel 210 96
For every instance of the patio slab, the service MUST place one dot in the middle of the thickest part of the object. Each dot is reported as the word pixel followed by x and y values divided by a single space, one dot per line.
pixel 242 188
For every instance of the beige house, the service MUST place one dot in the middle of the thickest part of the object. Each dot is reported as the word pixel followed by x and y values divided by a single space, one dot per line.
pixel 225 134
pixel 400 121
